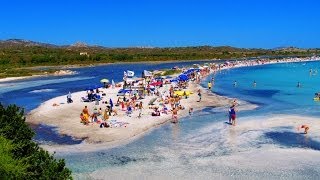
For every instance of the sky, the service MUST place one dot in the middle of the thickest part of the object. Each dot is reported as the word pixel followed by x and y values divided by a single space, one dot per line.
pixel 164 23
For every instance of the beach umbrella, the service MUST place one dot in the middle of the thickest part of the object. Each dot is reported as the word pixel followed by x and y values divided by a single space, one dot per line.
pixel 104 81
pixel 183 77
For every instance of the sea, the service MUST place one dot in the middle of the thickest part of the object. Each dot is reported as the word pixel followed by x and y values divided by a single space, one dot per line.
pixel 203 145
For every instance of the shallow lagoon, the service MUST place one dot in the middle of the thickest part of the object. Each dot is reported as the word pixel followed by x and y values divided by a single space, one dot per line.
pixel 204 146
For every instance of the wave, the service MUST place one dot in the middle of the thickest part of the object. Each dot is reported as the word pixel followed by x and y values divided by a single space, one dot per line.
pixel 7 87
pixel 42 90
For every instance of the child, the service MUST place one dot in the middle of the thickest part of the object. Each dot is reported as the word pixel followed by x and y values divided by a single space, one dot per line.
pixel 190 111
pixel 199 94
pixel 305 127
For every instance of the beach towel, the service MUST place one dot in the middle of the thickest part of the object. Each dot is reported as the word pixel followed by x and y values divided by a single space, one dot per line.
pixel 115 123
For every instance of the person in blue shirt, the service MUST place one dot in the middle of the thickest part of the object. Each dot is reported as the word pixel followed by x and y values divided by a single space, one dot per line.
pixel 232 115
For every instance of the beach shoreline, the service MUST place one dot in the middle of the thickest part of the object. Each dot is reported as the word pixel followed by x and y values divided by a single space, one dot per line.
pixel 63 67
pixel 46 114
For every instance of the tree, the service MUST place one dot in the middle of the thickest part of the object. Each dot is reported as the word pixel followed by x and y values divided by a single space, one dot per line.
pixel 10 168
pixel 37 163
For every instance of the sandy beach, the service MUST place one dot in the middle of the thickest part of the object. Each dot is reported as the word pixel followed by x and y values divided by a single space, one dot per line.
pixel 66 117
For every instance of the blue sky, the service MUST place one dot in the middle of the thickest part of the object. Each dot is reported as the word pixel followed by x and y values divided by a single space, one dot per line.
pixel 163 23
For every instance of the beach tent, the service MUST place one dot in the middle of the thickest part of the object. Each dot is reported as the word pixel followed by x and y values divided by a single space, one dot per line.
pixel 191 70
pixel 183 77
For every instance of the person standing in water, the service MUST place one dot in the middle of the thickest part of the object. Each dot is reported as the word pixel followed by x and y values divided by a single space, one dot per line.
pixel 232 115
pixel 299 85
pixel 235 83
pixel 254 83
pixel 209 85
pixel 175 115
pixel 190 111
pixel 199 94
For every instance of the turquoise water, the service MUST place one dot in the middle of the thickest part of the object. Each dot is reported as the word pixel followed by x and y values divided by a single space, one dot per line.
pixel 276 86
pixel 203 146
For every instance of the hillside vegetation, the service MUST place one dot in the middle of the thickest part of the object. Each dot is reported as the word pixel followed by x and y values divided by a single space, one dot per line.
pixel 20 54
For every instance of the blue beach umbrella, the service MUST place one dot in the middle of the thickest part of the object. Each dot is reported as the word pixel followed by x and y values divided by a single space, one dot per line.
pixel 183 77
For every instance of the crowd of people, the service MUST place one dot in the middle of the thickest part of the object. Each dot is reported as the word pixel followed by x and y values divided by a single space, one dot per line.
pixel 163 93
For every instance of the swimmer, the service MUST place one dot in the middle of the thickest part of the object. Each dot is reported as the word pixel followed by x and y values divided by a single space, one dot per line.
pixel 305 127
pixel 235 83
pixel 254 83
pixel 299 85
